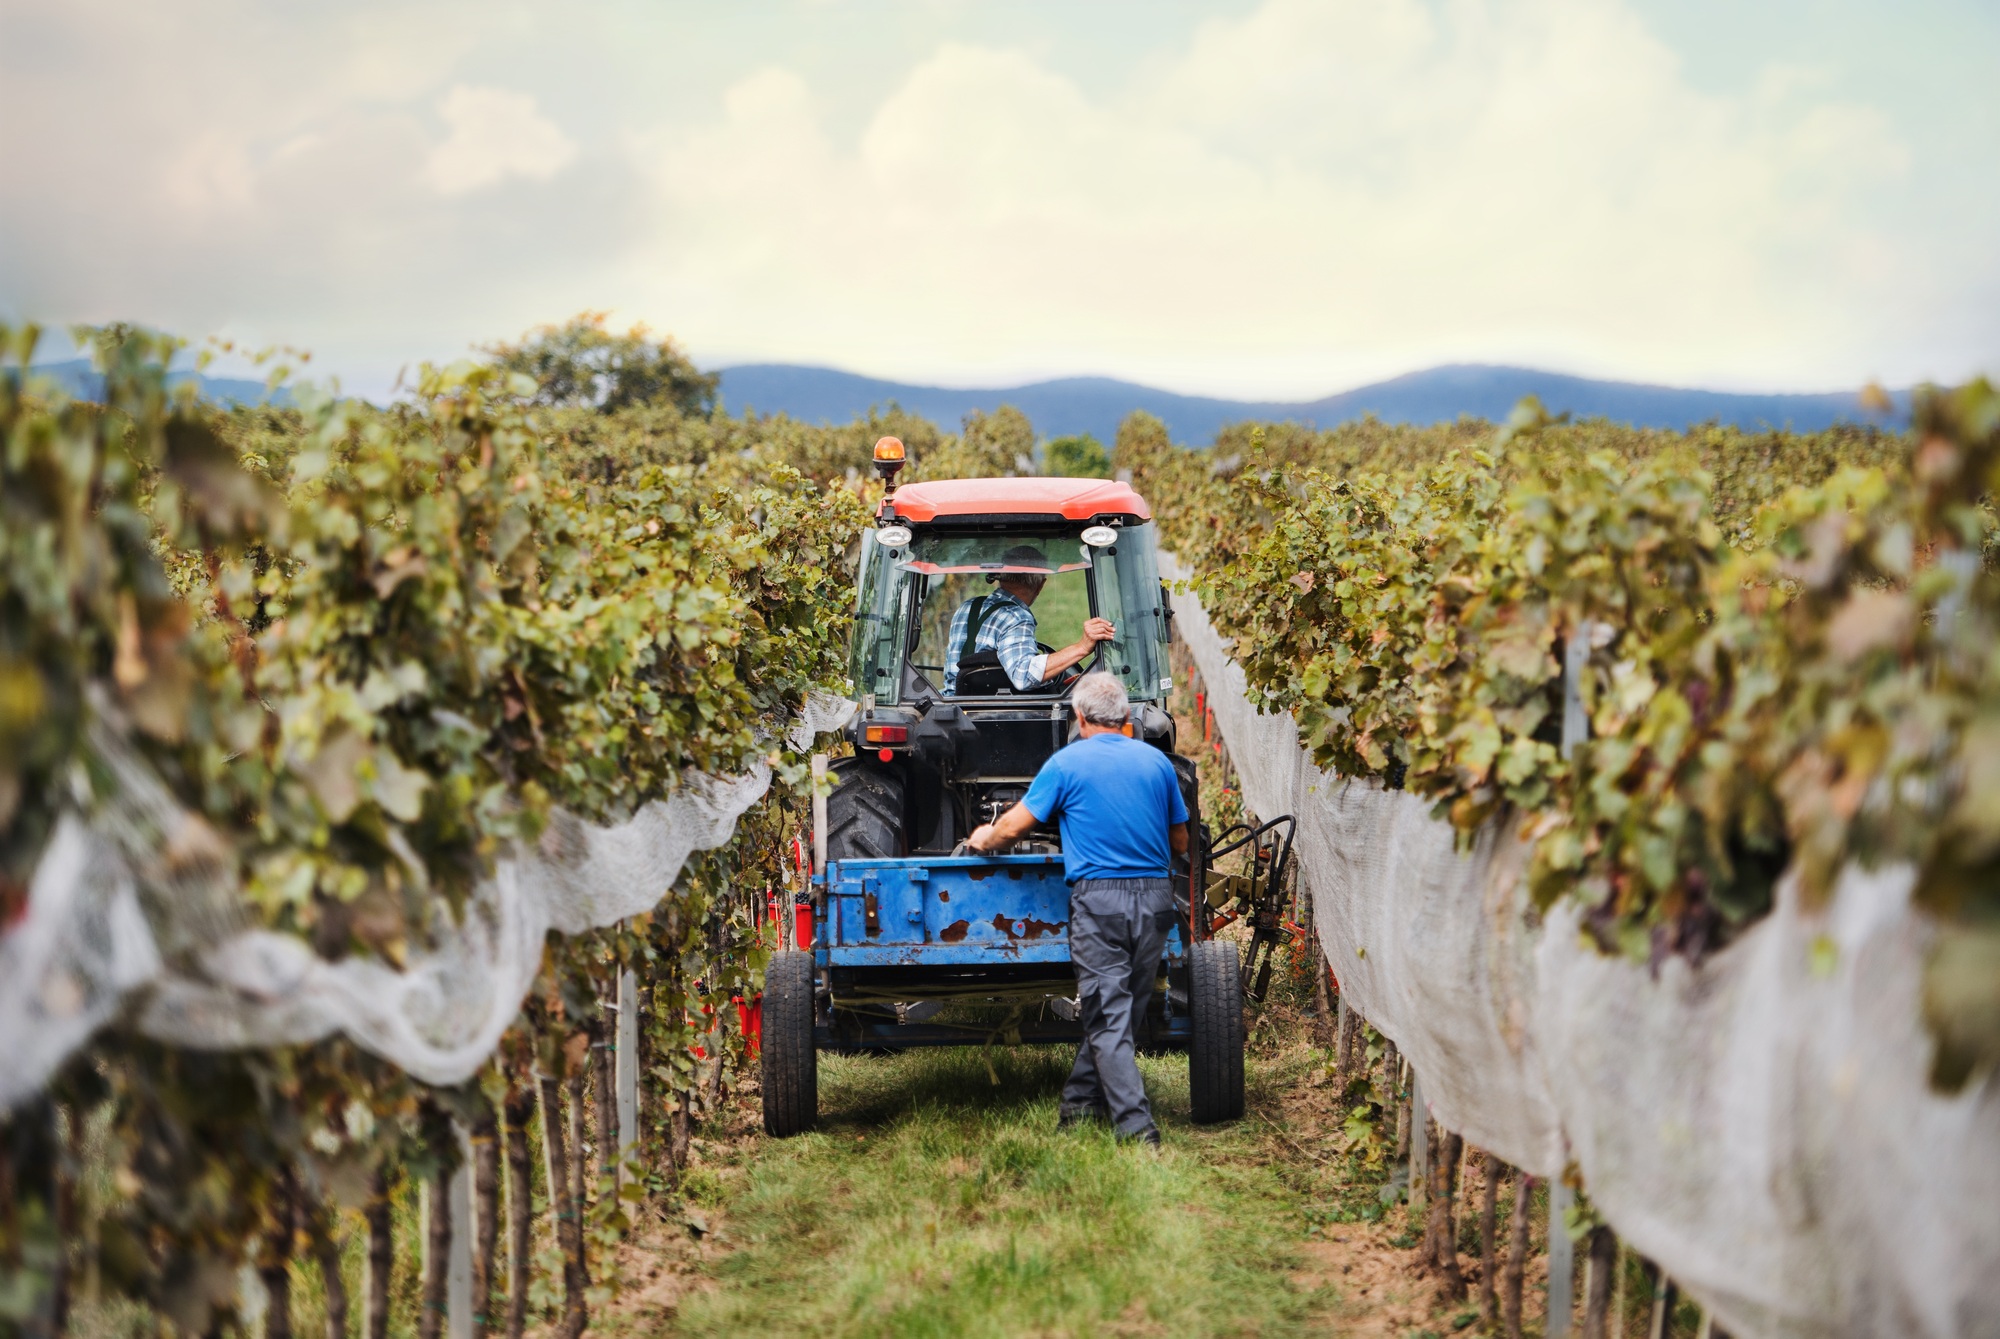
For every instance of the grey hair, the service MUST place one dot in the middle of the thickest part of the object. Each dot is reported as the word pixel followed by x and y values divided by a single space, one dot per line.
pixel 1101 700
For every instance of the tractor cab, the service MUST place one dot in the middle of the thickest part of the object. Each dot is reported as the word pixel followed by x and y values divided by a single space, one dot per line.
pixel 952 728
pixel 915 940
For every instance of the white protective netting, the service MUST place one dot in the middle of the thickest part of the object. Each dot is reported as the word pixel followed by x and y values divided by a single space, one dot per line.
pixel 1760 1125
pixel 138 883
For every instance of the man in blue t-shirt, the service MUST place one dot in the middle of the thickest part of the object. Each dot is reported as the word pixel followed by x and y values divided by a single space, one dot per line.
pixel 1118 803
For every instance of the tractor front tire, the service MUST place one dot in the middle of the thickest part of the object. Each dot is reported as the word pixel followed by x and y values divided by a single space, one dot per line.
pixel 1215 1054
pixel 864 813
pixel 790 1075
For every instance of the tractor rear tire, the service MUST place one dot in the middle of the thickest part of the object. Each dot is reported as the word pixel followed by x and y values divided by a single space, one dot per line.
pixel 790 1063
pixel 1215 1054
pixel 864 813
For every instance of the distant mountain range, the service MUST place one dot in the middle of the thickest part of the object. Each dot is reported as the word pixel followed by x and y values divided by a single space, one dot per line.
pixel 79 379
pixel 1096 404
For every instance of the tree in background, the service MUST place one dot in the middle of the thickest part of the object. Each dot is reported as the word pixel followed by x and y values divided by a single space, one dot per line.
pixel 1005 436
pixel 828 453
pixel 992 446
pixel 1140 434
pixel 582 364
pixel 1079 457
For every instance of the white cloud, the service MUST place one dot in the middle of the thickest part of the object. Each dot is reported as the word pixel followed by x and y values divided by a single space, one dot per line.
pixel 495 134
pixel 1319 188
pixel 1284 201
pixel 210 175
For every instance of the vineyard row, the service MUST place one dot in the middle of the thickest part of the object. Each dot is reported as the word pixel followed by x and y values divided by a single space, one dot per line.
pixel 1781 649
pixel 314 674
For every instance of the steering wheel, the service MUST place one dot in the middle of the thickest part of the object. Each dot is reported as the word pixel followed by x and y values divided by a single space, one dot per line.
pixel 1062 678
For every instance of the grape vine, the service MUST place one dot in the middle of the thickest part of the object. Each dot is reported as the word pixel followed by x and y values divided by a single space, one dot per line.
pixel 1786 652
pixel 367 652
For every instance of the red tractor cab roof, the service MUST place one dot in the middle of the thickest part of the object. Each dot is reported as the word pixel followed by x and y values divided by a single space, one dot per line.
pixel 1035 498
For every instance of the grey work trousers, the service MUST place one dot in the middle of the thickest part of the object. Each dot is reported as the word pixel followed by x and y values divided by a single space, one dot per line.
pixel 1117 930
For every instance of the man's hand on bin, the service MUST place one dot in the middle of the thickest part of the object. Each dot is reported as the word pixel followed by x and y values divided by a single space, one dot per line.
pixel 1013 825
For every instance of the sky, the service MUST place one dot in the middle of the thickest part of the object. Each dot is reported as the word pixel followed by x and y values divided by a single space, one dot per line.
pixel 1252 198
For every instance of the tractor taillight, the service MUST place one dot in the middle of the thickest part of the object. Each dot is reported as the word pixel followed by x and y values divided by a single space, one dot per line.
pixel 886 734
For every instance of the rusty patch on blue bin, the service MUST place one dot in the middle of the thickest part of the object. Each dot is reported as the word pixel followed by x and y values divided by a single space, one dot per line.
pixel 954 933
pixel 1029 927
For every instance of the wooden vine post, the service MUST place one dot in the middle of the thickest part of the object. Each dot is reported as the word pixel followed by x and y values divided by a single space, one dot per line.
pixel 1343 1050
pixel 626 1050
pixel 319 1226
pixel 1414 1133
pixel 564 1208
pixel 1601 1267
pixel 602 1059
pixel 1562 1259
pixel 485 1160
pixel 575 1147
pixel 459 1251
pixel 1666 1297
pixel 1517 1255
pixel 1441 1225
pixel 440 1139
pixel 274 1257
pixel 1489 1213
pixel 1618 1295
pixel 519 1110
pixel 381 1256
pixel 1398 1111
pixel 66 1173
pixel 1328 1019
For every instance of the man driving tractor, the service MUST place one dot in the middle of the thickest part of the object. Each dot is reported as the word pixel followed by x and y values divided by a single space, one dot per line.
pixel 1002 622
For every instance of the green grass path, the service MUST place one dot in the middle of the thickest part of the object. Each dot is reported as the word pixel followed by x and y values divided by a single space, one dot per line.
pixel 935 1202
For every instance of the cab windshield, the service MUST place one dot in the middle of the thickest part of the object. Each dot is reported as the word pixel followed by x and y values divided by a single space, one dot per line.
pixel 910 595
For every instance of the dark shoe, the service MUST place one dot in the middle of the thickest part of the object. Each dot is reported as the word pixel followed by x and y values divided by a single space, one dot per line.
pixel 1069 1118
pixel 1150 1137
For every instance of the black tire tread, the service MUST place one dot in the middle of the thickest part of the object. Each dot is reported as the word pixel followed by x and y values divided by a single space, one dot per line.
pixel 789 1063
pixel 1215 1053
pixel 864 813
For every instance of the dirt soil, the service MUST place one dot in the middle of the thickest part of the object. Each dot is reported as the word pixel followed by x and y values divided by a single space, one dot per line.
pixel 1380 1286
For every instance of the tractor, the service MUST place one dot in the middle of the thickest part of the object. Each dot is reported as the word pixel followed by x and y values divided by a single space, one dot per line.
pixel 912 940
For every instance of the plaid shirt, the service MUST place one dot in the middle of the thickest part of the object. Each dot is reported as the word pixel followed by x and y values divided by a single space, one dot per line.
pixel 1008 628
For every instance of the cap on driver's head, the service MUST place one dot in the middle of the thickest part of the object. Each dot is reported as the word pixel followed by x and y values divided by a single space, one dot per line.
pixel 1023 555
